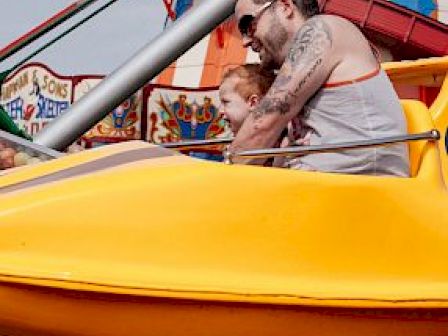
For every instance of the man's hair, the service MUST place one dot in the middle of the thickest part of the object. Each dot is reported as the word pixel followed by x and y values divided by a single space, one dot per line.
pixel 253 80
pixel 308 8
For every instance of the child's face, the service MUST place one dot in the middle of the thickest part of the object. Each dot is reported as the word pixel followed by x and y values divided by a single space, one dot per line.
pixel 233 106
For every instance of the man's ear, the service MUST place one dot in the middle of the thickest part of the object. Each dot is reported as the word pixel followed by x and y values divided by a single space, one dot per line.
pixel 253 100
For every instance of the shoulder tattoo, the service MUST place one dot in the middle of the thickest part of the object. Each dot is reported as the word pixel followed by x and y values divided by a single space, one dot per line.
pixel 305 55
pixel 310 42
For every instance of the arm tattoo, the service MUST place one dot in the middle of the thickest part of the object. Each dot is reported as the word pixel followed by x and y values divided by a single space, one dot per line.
pixel 306 54
pixel 310 42
pixel 309 74
pixel 272 105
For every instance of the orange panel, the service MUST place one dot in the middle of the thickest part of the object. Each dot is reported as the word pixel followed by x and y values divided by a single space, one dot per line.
pixel 167 75
pixel 220 59
pixel 212 62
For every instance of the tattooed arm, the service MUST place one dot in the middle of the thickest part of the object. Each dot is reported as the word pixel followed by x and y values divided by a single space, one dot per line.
pixel 309 63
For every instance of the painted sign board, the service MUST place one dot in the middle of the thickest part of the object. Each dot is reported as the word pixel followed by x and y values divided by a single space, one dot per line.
pixel 35 95
pixel 123 123
pixel 175 114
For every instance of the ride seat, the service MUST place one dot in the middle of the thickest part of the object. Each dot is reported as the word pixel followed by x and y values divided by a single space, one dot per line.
pixel 418 121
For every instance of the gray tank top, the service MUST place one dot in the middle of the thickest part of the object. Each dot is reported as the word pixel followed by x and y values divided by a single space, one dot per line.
pixel 361 109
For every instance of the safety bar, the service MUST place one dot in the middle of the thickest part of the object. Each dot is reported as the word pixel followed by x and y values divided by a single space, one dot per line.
pixel 431 135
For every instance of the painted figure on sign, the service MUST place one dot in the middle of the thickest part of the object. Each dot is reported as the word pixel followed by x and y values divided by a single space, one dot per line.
pixel 205 114
pixel 206 111
pixel 121 121
pixel 182 108
pixel 32 100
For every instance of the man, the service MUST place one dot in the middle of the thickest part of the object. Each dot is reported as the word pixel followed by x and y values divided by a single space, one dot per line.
pixel 327 70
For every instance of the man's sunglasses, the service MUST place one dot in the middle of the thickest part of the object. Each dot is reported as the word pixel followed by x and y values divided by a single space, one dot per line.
pixel 247 23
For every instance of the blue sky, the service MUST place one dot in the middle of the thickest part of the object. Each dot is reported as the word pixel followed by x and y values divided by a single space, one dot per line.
pixel 98 47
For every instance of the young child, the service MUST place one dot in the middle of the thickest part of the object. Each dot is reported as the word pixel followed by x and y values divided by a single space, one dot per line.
pixel 241 90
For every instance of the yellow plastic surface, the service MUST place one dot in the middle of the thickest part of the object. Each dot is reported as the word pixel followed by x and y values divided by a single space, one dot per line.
pixel 427 72
pixel 180 227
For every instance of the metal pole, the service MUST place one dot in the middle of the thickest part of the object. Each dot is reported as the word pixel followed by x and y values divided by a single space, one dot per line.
pixel 135 73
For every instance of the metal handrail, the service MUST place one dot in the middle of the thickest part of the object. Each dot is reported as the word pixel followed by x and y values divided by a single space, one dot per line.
pixel 431 135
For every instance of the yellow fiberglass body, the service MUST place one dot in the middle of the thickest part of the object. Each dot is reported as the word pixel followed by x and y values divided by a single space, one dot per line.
pixel 134 239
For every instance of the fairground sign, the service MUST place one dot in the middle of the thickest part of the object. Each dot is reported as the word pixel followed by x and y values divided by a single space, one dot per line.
pixel 35 95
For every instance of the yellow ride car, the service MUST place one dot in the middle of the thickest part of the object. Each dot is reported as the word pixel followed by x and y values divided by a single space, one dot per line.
pixel 137 239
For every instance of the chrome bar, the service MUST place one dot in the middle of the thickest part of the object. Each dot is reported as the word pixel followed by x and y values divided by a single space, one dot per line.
pixel 335 147
pixel 196 143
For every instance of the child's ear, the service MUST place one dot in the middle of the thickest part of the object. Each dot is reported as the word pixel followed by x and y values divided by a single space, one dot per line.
pixel 253 100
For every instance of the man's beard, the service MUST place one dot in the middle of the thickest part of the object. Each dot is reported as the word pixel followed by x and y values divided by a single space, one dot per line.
pixel 274 42
pixel 269 63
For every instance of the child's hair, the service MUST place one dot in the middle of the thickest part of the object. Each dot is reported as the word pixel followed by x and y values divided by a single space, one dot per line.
pixel 254 79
